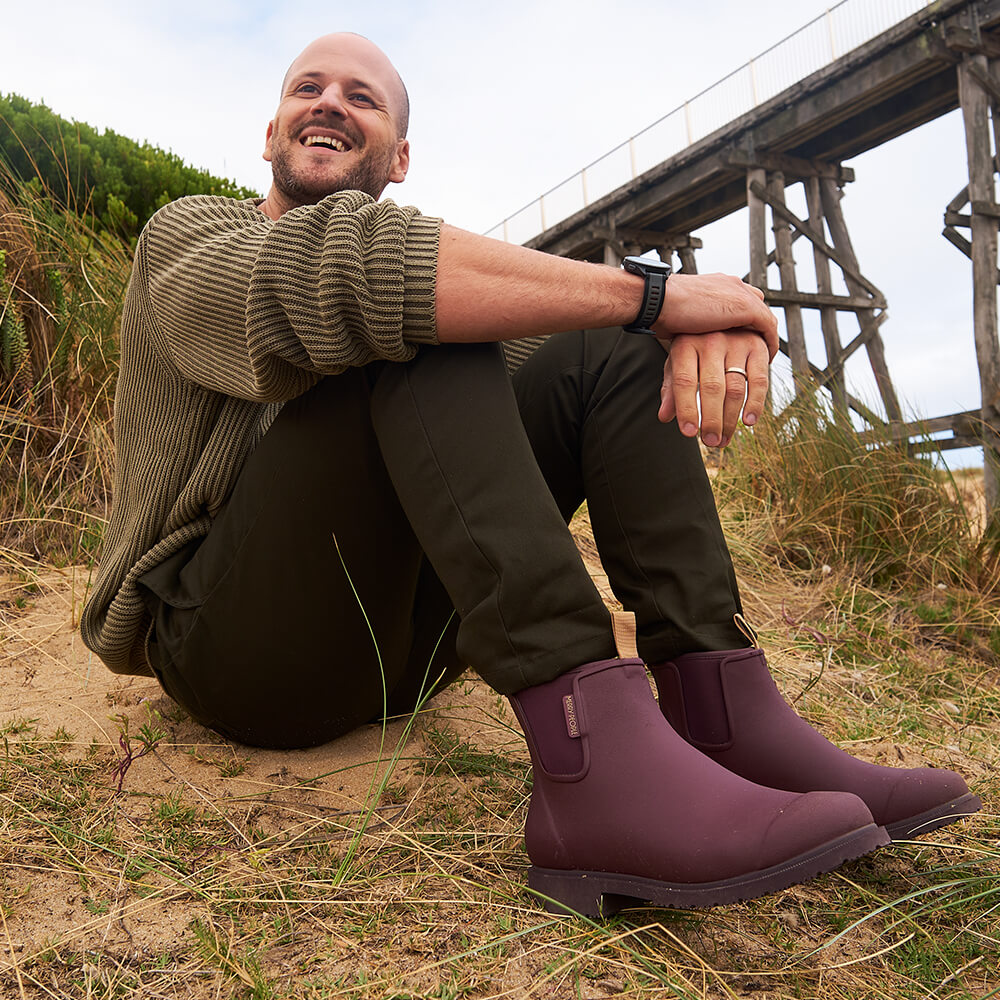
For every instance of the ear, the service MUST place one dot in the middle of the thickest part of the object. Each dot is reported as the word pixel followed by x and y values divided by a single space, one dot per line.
pixel 267 141
pixel 401 162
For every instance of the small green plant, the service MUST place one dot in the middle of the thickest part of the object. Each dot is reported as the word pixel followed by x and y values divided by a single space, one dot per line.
pixel 229 766
pixel 18 727
pixel 448 753
pixel 146 741
pixel 244 967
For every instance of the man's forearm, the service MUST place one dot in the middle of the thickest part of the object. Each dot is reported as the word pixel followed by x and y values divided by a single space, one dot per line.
pixel 489 290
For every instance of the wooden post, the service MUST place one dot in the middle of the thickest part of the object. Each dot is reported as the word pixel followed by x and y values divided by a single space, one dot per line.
pixel 611 256
pixel 830 197
pixel 758 229
pixel 797 354
pixel 688 263
pixel 758 240
pixel 827 314
pixel 975 113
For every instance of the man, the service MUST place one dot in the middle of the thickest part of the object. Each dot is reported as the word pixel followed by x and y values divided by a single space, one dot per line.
pixel 321 457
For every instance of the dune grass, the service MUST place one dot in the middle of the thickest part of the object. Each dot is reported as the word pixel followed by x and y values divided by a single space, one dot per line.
pixel 421 894
pixel 61 288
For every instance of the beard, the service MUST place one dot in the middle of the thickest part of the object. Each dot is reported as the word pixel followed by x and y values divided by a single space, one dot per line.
pixel 306 186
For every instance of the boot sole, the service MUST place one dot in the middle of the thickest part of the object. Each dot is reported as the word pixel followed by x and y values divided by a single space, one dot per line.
pixel 949 812
pixel 601 894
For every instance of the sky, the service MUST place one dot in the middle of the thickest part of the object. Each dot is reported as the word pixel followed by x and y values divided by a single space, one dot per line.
pixel 507 101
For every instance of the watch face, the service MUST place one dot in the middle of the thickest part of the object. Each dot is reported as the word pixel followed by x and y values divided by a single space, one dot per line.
pixel 639 265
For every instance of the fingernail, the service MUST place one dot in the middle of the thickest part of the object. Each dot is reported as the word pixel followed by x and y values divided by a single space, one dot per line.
pixel 749 419
pixel 689 430
pixel 712 440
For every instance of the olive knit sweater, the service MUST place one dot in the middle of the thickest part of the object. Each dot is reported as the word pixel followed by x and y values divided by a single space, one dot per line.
pixel 228 315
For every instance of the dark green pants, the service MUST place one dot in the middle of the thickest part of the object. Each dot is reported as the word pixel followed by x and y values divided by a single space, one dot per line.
pixel 442 470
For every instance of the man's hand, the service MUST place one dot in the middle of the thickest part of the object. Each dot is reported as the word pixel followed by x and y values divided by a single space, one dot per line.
pixel 705 303
pixel 697 367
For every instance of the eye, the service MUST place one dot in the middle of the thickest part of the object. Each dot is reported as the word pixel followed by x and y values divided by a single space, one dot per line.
pixel 363 99
pixel 306 88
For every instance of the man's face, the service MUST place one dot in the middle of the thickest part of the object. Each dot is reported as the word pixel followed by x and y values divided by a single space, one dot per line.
pixel 337 126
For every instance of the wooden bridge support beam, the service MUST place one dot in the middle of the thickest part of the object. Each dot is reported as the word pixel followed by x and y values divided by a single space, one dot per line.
pixel 831 196
pixel 757 180
pixel 837 383
pixel 975 101
pixel 624 242
pixel 786 269
pixel 766 179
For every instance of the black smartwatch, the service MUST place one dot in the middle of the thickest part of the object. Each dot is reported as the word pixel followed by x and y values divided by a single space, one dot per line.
pixel 655 274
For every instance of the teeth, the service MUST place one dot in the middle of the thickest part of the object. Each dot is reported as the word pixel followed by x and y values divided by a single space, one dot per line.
pixel 325 140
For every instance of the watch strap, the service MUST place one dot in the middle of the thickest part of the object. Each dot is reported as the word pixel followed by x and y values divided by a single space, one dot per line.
pixel 655 275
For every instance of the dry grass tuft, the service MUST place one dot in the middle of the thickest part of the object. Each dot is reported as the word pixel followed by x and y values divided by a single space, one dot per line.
pixel 61 288
pixel 812 493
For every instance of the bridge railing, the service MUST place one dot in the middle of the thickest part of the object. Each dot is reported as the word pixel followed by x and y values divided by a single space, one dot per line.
pixel 820 42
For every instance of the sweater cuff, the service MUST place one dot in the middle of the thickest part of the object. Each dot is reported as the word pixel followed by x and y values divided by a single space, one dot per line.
pixel 423 235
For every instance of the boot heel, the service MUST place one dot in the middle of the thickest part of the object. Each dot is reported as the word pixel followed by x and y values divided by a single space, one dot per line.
pixel 571 894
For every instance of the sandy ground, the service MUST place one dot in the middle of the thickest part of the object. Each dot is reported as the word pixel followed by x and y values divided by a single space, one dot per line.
pixel 49 679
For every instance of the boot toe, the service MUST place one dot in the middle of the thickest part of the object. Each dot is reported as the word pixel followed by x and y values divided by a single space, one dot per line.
pixel 924 799
pixel 811 820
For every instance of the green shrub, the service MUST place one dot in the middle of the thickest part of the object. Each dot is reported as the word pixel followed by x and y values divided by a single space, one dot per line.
pixel 121 183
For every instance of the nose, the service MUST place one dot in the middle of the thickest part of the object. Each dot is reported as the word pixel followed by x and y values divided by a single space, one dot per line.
pixel 330 102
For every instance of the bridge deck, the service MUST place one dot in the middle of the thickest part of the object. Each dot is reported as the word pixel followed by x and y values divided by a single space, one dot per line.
pixel 898 81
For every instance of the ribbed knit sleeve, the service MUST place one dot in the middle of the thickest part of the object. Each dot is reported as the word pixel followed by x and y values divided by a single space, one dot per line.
pixel 261 309
pixel 229 314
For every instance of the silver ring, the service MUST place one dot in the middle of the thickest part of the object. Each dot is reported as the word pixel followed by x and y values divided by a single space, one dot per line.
pixel 739 371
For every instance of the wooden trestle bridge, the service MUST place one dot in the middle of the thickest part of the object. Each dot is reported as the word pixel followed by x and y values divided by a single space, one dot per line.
pixel 944 56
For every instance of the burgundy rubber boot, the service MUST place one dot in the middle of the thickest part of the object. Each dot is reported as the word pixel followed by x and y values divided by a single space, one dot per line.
pixel 726 705
pixel 623 811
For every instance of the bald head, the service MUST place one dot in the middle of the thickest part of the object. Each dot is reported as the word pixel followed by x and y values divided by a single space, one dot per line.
pixel 348 44
pixel 340 125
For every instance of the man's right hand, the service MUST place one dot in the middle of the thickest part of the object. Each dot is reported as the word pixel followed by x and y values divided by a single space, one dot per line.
pixel 706 303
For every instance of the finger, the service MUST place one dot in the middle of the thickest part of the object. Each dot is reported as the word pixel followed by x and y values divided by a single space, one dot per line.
pixel 684 384
pixel 711 351
pixel 757 291
pixel 758 373
pixel 771 339
pixel 736 393
pixel 667 410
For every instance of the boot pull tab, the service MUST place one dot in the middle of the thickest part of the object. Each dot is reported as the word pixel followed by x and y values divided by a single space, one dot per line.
pixel 747 629
pixel 623 626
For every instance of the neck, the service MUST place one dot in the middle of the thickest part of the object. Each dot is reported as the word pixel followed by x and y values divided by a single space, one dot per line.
pixel 276 204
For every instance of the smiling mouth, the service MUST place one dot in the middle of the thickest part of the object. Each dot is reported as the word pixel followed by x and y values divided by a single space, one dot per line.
pixel 326 142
